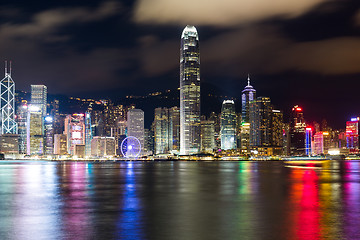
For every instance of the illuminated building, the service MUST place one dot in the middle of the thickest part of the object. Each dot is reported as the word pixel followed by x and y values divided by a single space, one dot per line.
pixel 7 103
pixel 60 144
pixel 79 150
pixel 308 140
pixel 49 135
pixel 174 115
pixel 9 143
pixel 35 131
pixel 39 97
pixel 103 146
pixel 21 122
pixel 297 131
pixel 135 125
pixel 88 134
pixel 216 119
pixel 163 131
pixel 352 135
pixel 248 95
pixel 118 133
pixel 207 136
pixel 228 125
pixel 277 128
pixel 75 131
pixel 321 143
pixel 260 122
pixel 190 128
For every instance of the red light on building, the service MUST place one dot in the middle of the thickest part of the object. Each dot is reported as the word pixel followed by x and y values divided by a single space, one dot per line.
pixel 298 109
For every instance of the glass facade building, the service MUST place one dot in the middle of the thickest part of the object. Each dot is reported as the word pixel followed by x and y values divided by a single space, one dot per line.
pixel 248 95
pixel 7 103
pixel 39 97
pixel 190 128
pixel 228 125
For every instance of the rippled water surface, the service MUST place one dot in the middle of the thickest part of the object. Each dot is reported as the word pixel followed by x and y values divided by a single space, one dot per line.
pixel 179 200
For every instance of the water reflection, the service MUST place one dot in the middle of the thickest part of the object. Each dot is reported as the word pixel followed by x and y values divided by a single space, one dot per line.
pixel 179 200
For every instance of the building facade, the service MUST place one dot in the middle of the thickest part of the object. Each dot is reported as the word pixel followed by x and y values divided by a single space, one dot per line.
pixel 39 97
pixel 248 95
pixel 7 103
pixel 74 129
pixel 190 128
pixel 135 125
pixel 207 136
pixel 228 125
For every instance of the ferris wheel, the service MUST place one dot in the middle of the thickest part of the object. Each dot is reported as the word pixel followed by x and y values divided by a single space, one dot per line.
pixel 130 147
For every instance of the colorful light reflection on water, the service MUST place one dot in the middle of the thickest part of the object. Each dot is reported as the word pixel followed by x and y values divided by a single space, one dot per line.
pixel 179 200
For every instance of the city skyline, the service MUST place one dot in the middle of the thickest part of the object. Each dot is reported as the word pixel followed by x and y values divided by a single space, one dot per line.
pixel 54 44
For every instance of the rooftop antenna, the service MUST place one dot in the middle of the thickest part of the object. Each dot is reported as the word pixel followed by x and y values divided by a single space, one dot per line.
pixel 5 67
pixel 248 79
pixel 10 69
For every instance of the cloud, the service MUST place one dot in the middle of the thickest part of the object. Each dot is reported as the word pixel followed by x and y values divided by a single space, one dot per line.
pixel 254 49
pixel 48 21
pixel 217 13
pixel 331 56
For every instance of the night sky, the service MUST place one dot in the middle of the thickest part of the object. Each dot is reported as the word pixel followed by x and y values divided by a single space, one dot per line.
pixel 297 52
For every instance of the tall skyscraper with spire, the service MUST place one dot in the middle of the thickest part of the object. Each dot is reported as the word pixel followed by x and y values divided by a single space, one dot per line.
pixel 7 103
pixel 190 129
pixel 248 95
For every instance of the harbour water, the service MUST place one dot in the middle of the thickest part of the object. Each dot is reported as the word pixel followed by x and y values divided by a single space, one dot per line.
pixel 179 200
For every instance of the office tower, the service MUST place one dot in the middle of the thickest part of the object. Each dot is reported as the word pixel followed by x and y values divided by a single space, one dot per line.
pixel 9 143
pixel 135 125
pixel 277 129
pixel 35 137
pixel 39 97
pixel 297 131
pixel 60 144
pixel 207 136
pixel 260 122
pixel 321 143
pixel 228 125
pixel 22 112
pixel 308 140
pixel 248 95
pixel 49 135
pixel 7 103
pixel 163 131
pixel 174 117
pixel 189 92
pixel 352 135
pixel 88 134
pixel 216 119
pixel 75 131
pixel 103 146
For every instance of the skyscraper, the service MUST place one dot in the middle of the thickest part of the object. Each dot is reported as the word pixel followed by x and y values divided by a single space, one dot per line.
pixel 39 97
pixel 228 125
pixel 135 125
pixel 207 136
pixel 35 137
pixel 260 122
pixel 7 103
pixel 352 135
pixel 75 131
pixel 163 131
pixel 297 131
pixel 190 128
pixel 248 95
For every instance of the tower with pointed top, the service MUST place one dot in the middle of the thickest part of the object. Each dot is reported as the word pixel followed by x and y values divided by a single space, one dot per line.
pixel 248 95
pixel 190 128
pixel 7 103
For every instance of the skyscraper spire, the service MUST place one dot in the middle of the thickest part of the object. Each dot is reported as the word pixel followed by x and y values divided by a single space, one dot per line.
pixel 248 79
pixel 5 68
